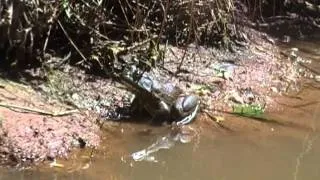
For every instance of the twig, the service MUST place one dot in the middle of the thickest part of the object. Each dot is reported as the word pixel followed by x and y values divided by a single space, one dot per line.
pixel 38 111
pixel 181 62
pixel 91 28
pixel 47 39
pixel 139 44
pixel 164 21
pixel 125 14
pixel 54 16
pixel 71 41
pixel 214 119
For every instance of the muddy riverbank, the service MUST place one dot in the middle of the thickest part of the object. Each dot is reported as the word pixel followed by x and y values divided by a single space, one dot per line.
pixel 46 122
pixel 33 130
pixel 248 149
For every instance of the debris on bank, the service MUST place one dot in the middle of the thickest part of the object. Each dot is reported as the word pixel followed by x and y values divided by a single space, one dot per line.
pixel 242 82
pixel 29 135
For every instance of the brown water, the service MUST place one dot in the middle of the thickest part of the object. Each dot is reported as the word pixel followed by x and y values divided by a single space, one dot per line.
pixel 267 151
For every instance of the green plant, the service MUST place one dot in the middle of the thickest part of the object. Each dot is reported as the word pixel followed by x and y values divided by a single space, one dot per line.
pixel 248 110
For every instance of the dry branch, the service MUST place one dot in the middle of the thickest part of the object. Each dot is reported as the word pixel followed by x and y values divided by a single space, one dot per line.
pixel 38 111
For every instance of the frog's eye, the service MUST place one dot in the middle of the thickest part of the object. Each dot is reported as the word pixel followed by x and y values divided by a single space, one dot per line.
pixel 189 103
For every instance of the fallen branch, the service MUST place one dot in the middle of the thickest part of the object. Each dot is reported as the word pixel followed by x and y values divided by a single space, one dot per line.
pixel 38 111
pixel 217 122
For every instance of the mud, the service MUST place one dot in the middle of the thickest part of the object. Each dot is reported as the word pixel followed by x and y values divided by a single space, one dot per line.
pixel 257 70
pixel 28 136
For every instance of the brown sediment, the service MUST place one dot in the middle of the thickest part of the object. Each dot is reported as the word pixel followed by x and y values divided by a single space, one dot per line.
pixel 28 137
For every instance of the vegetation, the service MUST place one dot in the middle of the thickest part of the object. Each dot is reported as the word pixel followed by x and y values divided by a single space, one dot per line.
pixel 34 31
pixel 248 110
pixel 284 17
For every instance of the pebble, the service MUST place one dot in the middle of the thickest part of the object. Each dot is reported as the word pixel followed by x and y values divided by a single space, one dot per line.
pixel 317 78
pixel 274 89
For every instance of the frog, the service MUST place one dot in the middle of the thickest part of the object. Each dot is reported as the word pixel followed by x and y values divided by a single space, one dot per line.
pixel 164 101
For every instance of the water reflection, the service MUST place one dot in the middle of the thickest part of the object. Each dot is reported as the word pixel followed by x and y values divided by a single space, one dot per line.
pixel 177 134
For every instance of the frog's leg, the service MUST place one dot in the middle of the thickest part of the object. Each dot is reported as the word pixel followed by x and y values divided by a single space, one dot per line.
pixel 161 113
pixel 136 107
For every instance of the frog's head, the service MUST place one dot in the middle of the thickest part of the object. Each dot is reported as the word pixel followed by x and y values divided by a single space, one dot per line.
pixel 185 108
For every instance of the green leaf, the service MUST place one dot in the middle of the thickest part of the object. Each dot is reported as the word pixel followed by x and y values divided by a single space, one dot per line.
pixel 66 7
pixel 248 110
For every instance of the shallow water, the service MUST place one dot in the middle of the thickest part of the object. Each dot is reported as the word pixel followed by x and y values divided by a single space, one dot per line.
pixel 290 151
pixel 225 157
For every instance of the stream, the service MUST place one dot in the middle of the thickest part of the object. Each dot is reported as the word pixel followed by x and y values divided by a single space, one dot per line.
pixel 290 152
